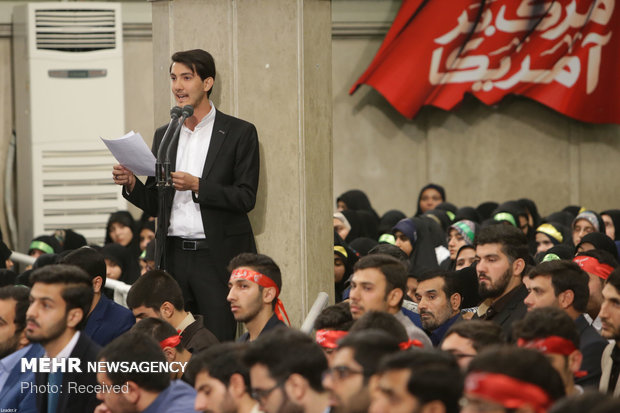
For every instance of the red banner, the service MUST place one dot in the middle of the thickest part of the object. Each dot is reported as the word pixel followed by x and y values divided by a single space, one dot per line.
pixel 564 54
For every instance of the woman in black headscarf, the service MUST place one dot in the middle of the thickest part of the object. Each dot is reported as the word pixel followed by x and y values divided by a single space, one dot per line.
pixel 120 264
pixel 355 200
pixel 429 197
pixel 121 229
pixel 611 218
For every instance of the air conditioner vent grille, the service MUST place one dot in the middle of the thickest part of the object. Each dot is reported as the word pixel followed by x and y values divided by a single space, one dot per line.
pixel 77 30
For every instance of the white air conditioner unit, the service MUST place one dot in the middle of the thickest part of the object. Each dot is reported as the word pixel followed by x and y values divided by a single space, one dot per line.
pixel 68 73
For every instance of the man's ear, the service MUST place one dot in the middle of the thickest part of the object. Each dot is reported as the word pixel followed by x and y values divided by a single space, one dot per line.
pixel 23 340
pixel 97 284
pixel 518 266
pixel 207 84
pixel 455 301
pixel 296 387
pixel 574 361
pixel 133 394
pixel 236 386
pixel 74 316
pixel 167 310
pixel 170 353
pixel 269 294
pixel 394 297
pixel 566 299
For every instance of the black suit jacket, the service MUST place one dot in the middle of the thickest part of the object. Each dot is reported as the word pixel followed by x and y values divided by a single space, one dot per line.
pixel 591 345
pixel 86 350
pixel 227 189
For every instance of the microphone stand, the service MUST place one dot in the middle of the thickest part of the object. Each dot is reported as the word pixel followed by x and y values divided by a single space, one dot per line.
pixel 165 189
pixel 160 234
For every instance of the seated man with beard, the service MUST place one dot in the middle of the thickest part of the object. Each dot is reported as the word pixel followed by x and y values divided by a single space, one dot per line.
pixel 502 254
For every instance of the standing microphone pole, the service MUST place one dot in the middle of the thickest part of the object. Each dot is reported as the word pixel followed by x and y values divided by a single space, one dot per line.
pixel 162 220
pixel 186 112
pixel 165 188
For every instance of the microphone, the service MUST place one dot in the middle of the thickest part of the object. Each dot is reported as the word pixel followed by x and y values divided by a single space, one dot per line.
pixel 175 113
pixel 186 112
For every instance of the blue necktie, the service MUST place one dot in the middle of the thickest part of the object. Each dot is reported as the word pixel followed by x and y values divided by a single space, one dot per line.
pixel 55 386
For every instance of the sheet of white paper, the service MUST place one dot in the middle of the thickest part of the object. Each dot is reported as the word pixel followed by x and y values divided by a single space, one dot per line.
pixel 131 151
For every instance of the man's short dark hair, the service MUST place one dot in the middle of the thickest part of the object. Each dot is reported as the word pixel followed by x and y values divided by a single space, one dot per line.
pixel 200 61
pixel 602 256
pixel 450 281
pixel 368 347
pixel 259 263
pixel 614 279
pixel 389 249
pixel 77 291
pixel 566 275
pixel 434 375
pixel 286 351
pixel 523 364
pixel 221 361
pixel 482 333
pixel 135 347
pixel 381 320
pixel 88 259
pixel 546 322
pixel 512 240
pixel 394 271
pixel 334 317
pixel 21 295
pixel 158 329
pixel 153 289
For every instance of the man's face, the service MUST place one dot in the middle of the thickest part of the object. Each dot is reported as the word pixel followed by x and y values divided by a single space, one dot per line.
pixel 610 313
pixel 245 298
pixel 494 270
pixel 142 312
pixel 581 228
pixel 595 284
pixel 367 292
pixel 271 396
pixel 540 293
pixel 212 395
pixel 348 393
pixel 461 348
pixel 116 402
pixel 543 243
pixel 434 307
pixel 47 315
pixel 186 85
pixel 9 337
pixel 391 394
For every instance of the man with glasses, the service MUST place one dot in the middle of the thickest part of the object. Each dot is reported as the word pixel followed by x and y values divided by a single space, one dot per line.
pixel 354 362
pixel 285 371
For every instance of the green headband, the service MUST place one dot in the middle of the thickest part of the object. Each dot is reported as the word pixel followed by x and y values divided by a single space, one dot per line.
pixel 387 239
pixel 505 216
pixel 40 245
pixel 551 257
pixel 464 229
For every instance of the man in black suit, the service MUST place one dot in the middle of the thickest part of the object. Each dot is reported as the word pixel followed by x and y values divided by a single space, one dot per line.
pixel 564 285
pixel 216 161
pixel 60 298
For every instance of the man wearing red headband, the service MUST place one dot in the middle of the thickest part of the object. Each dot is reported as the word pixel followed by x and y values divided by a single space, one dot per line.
pixel 510 378
pixel 598 264
pixel 255 284
pixel 610 318
pixel 564 285
pixel 552 332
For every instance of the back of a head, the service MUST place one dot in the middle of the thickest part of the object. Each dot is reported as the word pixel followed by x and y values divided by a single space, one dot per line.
pixel 159 329
pixel 512 240
pixel 334 317
pixel 77 289
pixel 260 263
pixel 392 250
pixel 133 347
pixel 584 402
pixel 525 365
pixel 20 295
pixel 221 361
pixel 541 323
pixel 381 320
pixel 434 376
pixel 566 275
pixel 153 289
pixel 482 333
pixel 88 259
pixel 286 351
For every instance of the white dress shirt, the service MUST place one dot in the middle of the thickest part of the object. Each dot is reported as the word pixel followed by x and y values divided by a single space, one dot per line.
pixel 185 218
